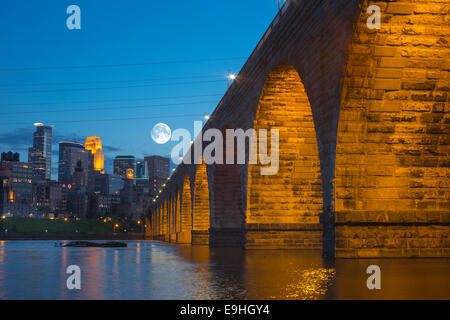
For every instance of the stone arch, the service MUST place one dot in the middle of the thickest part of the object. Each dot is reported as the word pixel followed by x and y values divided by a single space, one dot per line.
pixel 282 206
pixel 201 213
pixel 392 153
pixel 186 212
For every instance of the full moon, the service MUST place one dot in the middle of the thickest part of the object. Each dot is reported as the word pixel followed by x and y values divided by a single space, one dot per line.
pixel 161 133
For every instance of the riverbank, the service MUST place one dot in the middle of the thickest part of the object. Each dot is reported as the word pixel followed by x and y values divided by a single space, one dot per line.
pixel 71 236
pixel 16 228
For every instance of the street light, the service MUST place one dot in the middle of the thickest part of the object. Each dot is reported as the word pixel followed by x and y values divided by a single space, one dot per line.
pixel 205 119
pixel 115 226
pixel 230 78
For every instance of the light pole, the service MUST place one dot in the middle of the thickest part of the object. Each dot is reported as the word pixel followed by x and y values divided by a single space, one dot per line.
pixel 230 78
pixel 205 119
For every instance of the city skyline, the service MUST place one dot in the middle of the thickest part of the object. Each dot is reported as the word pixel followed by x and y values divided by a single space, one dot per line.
pixel 223 46
pixel 83 188
pixel 111 151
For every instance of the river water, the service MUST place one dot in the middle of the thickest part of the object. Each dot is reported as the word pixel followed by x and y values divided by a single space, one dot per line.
pixel 154 270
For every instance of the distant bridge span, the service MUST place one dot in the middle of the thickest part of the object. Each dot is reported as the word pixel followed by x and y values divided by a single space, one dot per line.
pixel 364 123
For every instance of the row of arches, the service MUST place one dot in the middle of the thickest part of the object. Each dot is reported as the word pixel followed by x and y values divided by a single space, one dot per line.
pixel 363 151
pixel 178 215
pixel 292 196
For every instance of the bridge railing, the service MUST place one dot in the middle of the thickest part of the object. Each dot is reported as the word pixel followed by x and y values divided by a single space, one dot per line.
pixel 274 22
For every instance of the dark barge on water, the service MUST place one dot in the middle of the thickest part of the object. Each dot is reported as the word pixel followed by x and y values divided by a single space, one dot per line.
pixel 83 244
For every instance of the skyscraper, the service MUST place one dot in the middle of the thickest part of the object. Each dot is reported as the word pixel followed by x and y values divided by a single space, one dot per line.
pixel 141 169
pixel 123 163
pixel 20 175
pixel 158 172
pixel 40 155
pixel 94 144
pixel 70 153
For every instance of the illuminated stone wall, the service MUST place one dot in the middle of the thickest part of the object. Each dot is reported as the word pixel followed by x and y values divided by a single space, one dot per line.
pixel 392 161
pixel 282 206
pixel 379 115
pixel 200 227
pixel 185 235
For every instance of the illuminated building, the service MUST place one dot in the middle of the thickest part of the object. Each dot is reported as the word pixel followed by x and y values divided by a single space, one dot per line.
pixel 70 153
pixel 20 177
pixel 123 163
pixel 106 189
pixel 115 184
pixel 141 177
pixel 94 145
pixel 130 174
pixel 4 184
pixel 141 169
pixel 13 208
pixel 105 184
pixel 40 155
pixel 47 197
pixel 142 185
pixel 79 177
pixel 128 199
pixel 107 204
pixel 158 172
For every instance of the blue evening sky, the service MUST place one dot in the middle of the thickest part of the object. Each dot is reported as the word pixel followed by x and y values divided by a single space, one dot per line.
pixel 33 34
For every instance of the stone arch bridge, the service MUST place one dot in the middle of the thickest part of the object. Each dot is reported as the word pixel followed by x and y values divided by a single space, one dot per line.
pixel 363 120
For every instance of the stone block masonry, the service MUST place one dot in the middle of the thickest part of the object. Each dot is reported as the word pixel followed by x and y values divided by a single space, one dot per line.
pixel 364 126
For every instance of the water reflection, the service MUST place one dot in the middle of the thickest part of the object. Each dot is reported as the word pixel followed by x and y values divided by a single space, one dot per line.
pixel 152 270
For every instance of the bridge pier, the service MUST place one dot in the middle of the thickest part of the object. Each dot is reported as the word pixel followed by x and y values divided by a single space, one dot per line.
pixel 283 236
pixel 226 237
pixel 200 237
